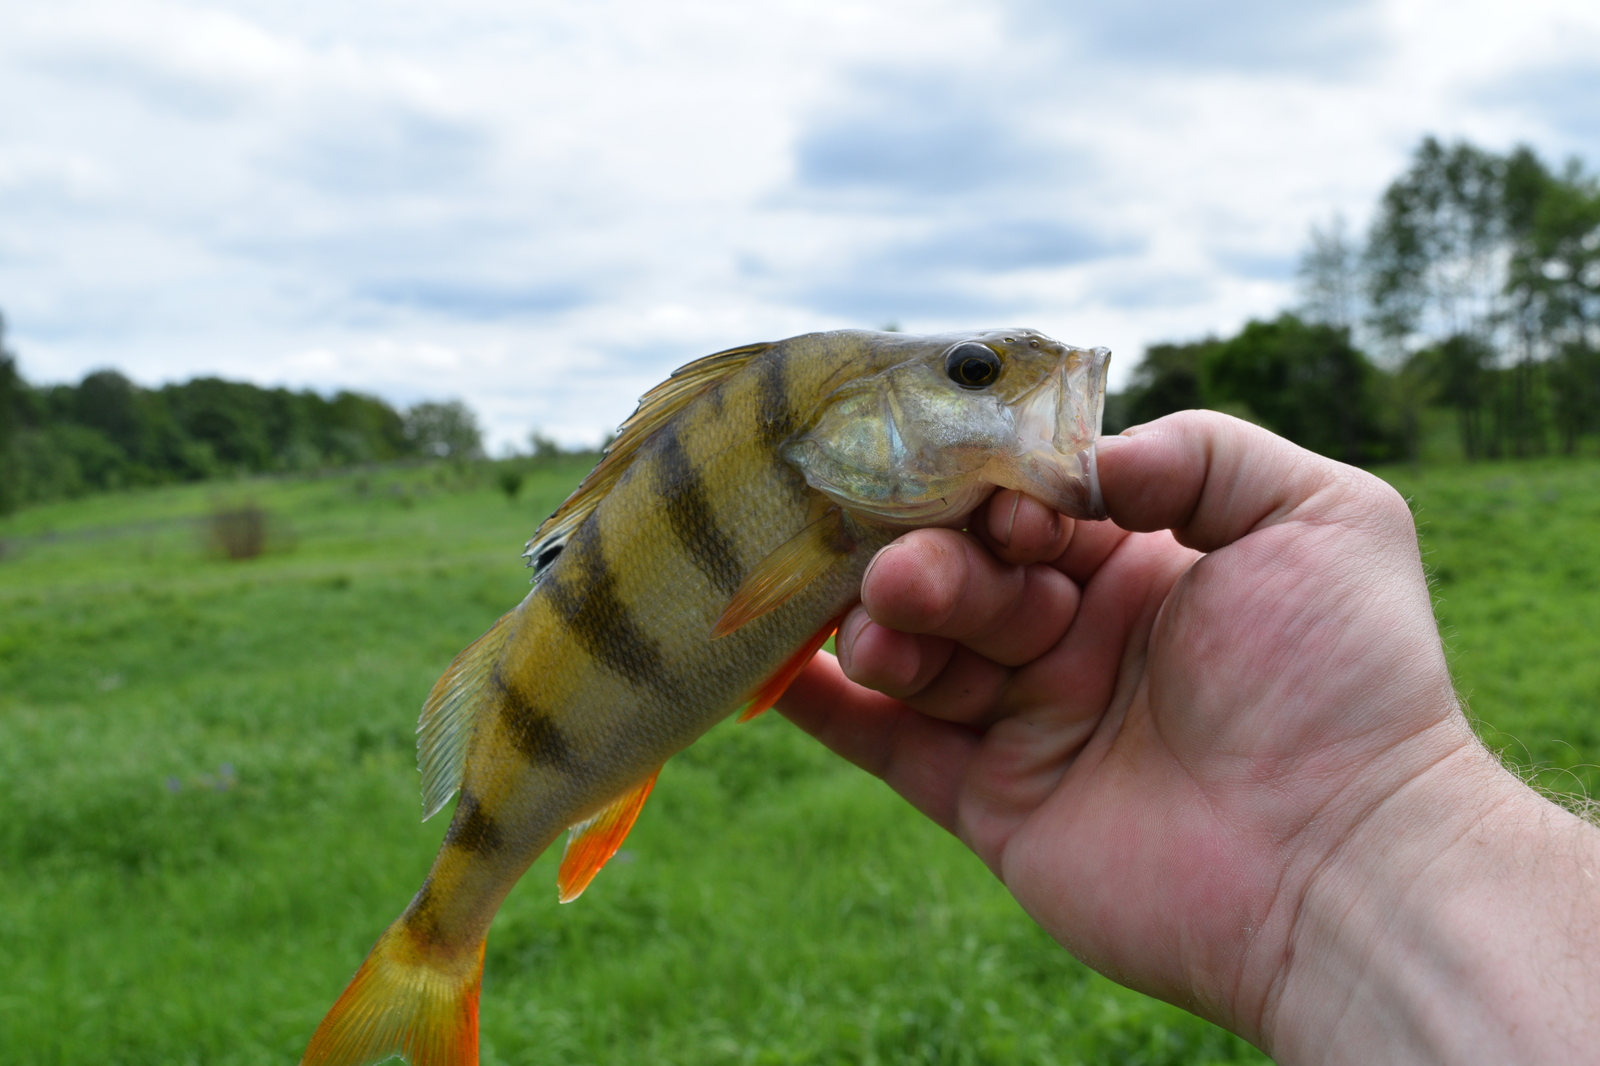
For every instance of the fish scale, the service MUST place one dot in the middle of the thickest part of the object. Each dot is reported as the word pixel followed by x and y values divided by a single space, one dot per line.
pixel 707 508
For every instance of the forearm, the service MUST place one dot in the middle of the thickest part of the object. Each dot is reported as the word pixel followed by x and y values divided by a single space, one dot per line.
pixel 1459 923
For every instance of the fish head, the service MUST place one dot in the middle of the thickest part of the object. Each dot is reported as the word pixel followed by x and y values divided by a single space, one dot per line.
pixel 939 422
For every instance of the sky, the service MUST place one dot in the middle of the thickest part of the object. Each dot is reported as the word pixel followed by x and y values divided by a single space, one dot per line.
pixel 542 209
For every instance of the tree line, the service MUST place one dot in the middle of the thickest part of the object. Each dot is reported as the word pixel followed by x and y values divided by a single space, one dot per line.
pixel 1467 322
pixel 107 432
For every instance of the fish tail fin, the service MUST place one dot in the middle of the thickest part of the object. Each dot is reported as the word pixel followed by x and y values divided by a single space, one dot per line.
pixel 405 1001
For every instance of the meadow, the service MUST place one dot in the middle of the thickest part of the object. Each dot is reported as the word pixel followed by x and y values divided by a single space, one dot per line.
pixel 210 803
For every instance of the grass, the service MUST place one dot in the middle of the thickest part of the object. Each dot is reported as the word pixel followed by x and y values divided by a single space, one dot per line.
pixel 210 802
pixel 1513 551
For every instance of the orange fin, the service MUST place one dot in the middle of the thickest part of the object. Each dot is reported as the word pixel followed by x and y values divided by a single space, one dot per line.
pixel 592 842
pixel 775 686
pixel 402 1002
pixel 792 566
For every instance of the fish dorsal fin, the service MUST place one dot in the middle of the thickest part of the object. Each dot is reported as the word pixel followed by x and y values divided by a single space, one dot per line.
pixel 790 567
pixel 592 842
pixel 445 729
pixel 656 408
pixel 776 685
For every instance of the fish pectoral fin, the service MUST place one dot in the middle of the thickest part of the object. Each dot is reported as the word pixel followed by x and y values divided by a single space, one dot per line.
pixel 592 842
pixel 790 567
pixel 448 715
pixel 775 686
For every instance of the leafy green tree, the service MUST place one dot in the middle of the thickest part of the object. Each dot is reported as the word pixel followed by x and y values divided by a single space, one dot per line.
pixel 1460 372
pixel 1330 277
pixel 1575 393
pixel 1167 379
pixel 1304 381
pixel 231 417
pixel 10 415
pixel 1434 255
pixel 106 401
pixel 445 430
pixel 1555 284
pixel 543 448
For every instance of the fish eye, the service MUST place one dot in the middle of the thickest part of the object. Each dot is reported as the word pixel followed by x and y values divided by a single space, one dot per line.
pixel 972 365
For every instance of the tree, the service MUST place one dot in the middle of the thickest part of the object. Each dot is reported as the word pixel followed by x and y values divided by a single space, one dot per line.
pixel 10 402
pixel 1575 393
pixel 1167 379
pixel 1555 283
pixel 445 430
pixel 1434 261
pixel 1330 277
pixel 1460 372
pixel 1306 382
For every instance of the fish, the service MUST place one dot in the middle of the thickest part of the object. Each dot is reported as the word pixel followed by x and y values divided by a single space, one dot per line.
pixel 695 571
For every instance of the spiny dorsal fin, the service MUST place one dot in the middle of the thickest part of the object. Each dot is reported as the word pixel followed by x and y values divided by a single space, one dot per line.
pixel 445 729
pixel 656 409
pixel 790 567
pixel 776 685
pixel 592 842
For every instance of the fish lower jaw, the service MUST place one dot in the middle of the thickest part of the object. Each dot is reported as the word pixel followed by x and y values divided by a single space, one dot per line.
pixel 1068 483
pixel 927 506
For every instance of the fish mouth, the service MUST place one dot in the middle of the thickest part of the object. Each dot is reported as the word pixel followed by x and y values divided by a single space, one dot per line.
pixel 1056 427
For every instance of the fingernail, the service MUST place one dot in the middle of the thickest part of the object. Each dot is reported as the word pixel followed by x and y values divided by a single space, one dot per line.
pixel 881 553
pixel 844 646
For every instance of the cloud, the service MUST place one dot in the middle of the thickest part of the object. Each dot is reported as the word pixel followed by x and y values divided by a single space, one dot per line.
pixel 1319 36
pixel 192 63
pixel 955 270
pixel 1562 98
pixel 920 134
pixel 1002 245
pixel 362 147
pixel 483 302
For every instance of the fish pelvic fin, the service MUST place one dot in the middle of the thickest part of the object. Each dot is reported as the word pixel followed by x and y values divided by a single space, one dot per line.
pixel 445 730
pixel 592 842
pixel 775 686
pixel 404 1001
pixel 790 567
pixel 656 408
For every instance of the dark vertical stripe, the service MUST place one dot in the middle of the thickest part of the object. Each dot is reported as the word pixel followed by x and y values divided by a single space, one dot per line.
pixel 473 828
pixel 689 514
pixel 533 732
pixel 587 600
pixel 774 416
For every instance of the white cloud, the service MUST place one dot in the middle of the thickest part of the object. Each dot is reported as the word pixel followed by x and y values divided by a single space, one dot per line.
pixel 544 208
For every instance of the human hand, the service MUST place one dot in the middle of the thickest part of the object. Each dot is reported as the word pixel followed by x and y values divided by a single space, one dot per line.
pixel 1193 752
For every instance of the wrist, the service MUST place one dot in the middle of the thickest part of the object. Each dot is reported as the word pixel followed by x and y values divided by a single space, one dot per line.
pixel 1458 921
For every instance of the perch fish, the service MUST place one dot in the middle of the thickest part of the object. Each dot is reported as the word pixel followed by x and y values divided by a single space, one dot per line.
pixel 696 570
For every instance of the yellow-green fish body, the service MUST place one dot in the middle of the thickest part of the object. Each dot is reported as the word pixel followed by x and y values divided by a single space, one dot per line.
pixel 694 571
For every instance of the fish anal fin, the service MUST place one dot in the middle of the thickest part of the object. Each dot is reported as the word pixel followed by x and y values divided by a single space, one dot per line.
pixel 592 842
pixel 403 1001
pixel 774 687
pixel 790 567
pixel 656 408
pixel 449 713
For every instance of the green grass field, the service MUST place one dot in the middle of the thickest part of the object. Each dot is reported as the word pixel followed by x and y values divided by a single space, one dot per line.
pixel 210 801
